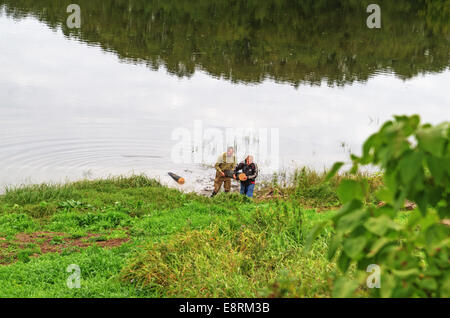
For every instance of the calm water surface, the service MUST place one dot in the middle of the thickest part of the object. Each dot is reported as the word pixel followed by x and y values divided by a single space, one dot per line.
pixel 105 100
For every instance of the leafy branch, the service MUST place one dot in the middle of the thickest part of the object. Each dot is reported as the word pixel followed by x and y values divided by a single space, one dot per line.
pixel 411 250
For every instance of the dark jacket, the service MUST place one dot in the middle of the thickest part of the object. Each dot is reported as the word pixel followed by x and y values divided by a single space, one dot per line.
pixel 250 170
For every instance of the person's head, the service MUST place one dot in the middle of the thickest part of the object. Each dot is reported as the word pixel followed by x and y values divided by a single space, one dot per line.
pixel 230 151
pixel 249 159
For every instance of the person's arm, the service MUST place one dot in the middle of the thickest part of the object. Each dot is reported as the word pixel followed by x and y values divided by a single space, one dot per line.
pixel 217 165
pixel 255 173
pixel 238 167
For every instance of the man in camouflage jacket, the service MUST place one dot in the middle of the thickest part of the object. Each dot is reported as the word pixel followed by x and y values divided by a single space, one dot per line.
pixel 224 170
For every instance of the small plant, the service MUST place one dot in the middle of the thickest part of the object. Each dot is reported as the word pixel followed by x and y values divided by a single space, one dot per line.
pixel 13 223
pixel 100 238
pixel 413 255
pixel 76 234
pixel 73 204
pixel 57 240
pixel 24 255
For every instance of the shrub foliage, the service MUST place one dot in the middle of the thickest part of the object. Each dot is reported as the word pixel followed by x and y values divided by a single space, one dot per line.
pixel 411 250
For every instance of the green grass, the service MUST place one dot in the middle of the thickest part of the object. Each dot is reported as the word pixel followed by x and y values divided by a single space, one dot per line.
pixel 174 244
pixel 311 188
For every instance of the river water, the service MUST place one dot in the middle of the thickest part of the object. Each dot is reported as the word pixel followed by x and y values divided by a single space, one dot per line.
pixel 132 89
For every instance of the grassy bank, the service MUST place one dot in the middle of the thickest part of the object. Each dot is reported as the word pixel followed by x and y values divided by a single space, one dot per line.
pixel 132 237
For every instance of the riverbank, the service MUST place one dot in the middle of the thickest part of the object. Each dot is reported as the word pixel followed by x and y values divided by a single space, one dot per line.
pixel 133 237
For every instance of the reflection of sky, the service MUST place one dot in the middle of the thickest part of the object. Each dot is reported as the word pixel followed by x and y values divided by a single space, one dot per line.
pixel 67 109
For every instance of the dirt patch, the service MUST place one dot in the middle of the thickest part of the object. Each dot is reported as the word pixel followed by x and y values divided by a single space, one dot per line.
pixel 270 193
pixel 407 206
pixel 53 242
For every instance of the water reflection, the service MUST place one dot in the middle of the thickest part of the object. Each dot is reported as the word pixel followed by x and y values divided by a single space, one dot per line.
pixel 251 40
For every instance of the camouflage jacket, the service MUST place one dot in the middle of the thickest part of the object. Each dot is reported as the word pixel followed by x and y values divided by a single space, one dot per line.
pixel 225 163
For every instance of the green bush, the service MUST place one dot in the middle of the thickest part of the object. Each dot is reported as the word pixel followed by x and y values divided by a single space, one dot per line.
pixel 89 221
pixel 413 255
pixel 14 223
pixel 198 263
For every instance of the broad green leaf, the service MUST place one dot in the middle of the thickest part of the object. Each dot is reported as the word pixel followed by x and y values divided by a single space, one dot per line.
pixel 344 288
pixel 377 246
pixel 350 221
pixel 388 283
pixel 408 123
pixel 433 139
pixel 414 121
pixel 444 211
pixel 410 166
pixel 386 210
pixel 406 273
pixel 432 271
pixel 380 225
pixel 334 170
pixel 371 143
pixel 385 195
pixel 354 169
pixel 438 167
pixel 428 283
pixel 400 200
pixel 334 245
pixel 347 208
pixel 354 246
pixel 343 262
pixel 436 235
pixel 445 288
pixel 417 172
pixel 351 189
pixel 312 235
pixel 434 195
pixel 414 219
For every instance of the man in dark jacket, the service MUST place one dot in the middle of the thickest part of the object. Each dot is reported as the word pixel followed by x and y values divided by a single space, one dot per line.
pixel 250 169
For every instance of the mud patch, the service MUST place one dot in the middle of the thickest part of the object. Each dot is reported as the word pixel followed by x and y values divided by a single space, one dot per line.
pixel 40 243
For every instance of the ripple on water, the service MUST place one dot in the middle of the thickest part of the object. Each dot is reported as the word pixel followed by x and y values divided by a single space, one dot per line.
pixel 34 154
